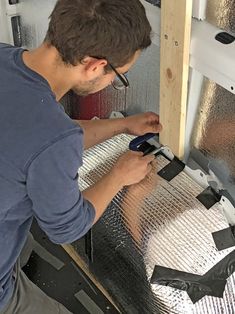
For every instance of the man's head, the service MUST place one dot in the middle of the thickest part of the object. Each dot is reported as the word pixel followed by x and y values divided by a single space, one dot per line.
pixel 97 33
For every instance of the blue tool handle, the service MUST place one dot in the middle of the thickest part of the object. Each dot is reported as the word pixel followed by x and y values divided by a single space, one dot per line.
pixel 134 144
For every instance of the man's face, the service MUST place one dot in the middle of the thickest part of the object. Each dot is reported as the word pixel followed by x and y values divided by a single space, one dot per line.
pixel 84 88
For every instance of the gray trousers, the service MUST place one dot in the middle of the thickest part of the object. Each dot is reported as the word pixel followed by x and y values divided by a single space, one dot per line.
pixel 27 297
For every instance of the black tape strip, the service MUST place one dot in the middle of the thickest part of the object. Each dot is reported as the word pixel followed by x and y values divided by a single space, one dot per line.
pixel 211 283
pixel 196 286
pixel 89 245
pixel 225 238
pixel 217 288
pixel 172 169
pixel 209 197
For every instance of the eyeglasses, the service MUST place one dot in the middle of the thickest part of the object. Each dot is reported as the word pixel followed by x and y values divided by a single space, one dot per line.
pixel 121 81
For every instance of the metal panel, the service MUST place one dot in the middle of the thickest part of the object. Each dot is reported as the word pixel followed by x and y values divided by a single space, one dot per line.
pixel 199 9
pixel 5 25
pixel 210 57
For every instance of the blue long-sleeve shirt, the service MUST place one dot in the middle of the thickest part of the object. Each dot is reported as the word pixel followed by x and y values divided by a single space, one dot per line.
pixel 40 152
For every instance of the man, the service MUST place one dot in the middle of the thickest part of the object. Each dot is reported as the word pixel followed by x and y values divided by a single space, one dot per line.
pixel 88 44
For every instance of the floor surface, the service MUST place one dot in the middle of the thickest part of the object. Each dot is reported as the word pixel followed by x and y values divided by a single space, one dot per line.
pixel 54 271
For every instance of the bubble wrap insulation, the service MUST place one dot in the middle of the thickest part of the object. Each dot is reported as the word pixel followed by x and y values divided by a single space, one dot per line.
pixel 214 132
pixel 153 223
pixel 221 14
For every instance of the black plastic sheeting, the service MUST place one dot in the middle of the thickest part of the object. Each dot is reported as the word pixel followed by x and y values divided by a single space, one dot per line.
pixel 131 289
pixel 211 283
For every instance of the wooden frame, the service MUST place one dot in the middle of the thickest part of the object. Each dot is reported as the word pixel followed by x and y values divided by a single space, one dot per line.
pixel 176 19
pixel 84 267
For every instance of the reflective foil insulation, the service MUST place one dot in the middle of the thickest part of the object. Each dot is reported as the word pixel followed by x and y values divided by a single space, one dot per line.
pixel 153 223
pixel 214 132
pixel 221 13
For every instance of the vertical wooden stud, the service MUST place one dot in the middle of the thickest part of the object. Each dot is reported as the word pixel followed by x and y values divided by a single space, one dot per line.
pixel 176 18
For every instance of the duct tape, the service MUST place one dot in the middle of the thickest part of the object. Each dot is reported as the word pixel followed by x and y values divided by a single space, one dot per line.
pixel 211 283
pixel 172 169
pixel 89 245
pixel 225 238
pixel 209 197
pixel 88 303
pixel 47 256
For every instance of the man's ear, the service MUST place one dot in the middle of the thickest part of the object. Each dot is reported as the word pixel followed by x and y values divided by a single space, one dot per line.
pixel 94 67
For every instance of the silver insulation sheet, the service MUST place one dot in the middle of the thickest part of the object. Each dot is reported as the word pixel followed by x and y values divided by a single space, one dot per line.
pixel 144 77
pixel 153 223
pixel 221 13
pixel 214 132
pixel 34 16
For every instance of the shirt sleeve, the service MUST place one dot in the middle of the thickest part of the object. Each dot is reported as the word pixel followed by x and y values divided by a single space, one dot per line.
pixel 52 185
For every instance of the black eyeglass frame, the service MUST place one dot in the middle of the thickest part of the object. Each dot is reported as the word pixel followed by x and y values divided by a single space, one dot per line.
pixel 122 77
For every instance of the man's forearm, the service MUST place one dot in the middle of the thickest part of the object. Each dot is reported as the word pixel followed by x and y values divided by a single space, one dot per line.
pixel 129 169
pixel 97 131
pixel 102 193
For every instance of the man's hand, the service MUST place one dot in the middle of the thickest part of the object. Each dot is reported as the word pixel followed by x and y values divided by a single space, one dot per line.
pixel 132 167
pixel 143 123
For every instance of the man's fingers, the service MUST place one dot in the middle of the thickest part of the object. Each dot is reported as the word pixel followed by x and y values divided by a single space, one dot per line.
pixel 157 127
pixel 136 153
pixel 149 158
pixel 149 169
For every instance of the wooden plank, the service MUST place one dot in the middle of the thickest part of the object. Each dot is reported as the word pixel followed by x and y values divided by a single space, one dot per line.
pixel 83 266
pixel 176 19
